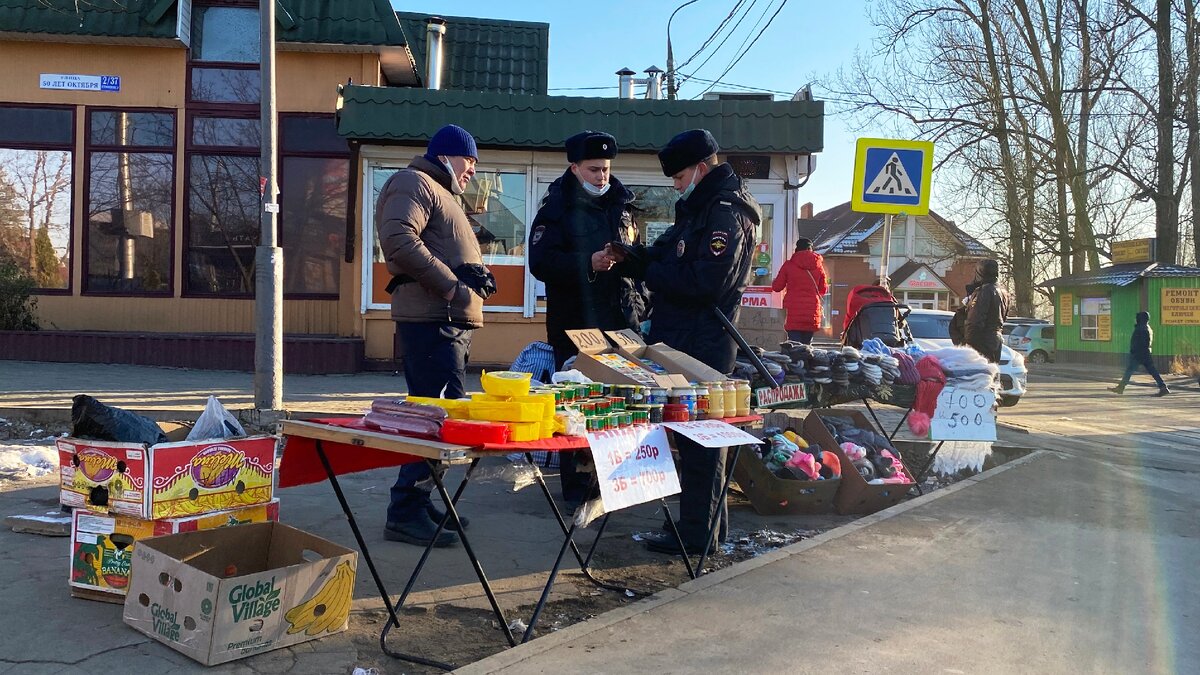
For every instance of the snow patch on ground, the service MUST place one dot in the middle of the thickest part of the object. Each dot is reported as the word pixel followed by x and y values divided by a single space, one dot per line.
pixel 26 460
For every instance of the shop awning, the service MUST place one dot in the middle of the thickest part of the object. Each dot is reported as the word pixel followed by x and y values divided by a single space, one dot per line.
pixel 1121 275
pixel 392 115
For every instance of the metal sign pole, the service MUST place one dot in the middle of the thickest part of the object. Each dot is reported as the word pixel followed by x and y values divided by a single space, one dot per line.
pixel 268 256
pixel 886 253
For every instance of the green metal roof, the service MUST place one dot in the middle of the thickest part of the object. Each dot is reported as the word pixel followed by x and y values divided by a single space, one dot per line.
pixel 154 19
pixel 486 54
pixel 339 22
pixel 409 115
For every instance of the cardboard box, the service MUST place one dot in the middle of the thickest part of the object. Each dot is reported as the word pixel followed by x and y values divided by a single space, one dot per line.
pixel 224 594
pixel 102 545
pixel 168 480
pixel 855 496
pixel 598 360
pixel 630 344
pixel 771 495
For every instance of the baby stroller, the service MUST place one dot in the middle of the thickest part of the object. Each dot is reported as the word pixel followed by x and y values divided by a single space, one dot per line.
pixel 872 312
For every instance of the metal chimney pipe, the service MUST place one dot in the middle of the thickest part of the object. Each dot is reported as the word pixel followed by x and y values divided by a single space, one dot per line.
pixel 435 32
pixel 654 80
pixel 625 88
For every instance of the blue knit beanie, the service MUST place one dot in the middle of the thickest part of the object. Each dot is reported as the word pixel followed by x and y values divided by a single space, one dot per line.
pixel 451 141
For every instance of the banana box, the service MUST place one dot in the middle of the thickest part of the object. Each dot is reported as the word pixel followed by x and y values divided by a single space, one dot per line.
pixel 224 594
pixel 102 545
pixel 168 480
pixel 102 476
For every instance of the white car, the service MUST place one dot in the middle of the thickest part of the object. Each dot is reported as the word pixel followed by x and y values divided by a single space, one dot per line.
pixel 931 330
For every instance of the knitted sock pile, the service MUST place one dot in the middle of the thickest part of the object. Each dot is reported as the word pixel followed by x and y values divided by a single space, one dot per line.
pixel 933 379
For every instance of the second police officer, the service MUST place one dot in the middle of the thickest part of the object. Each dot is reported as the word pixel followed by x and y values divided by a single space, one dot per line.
pixel 584 209
pixel 700 263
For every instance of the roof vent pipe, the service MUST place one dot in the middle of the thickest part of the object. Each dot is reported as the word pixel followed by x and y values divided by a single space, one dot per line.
pixel 435 31
pixel 654 81
pixel 625 88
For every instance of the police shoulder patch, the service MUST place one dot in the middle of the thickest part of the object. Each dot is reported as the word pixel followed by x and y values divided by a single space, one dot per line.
pixel 537 233
pixel 679 249
pixel 719 242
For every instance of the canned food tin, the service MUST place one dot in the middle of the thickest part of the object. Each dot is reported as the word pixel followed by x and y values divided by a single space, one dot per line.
pixel 641 417
pixel 627 419
pixel 595 423
pixel 616 402
pixel 587 407
pixel 603 407
pixel 595 389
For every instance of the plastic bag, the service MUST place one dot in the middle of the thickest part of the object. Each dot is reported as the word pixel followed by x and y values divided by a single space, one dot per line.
pixel 570 376
pixel 215 422
pixel 92 419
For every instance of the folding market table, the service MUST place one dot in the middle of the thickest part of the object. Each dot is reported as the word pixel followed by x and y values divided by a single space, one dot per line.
pixel 319 450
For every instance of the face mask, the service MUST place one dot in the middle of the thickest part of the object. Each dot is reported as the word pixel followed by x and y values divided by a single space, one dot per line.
pixel 593 190
pixel 454 187
pixel 687 191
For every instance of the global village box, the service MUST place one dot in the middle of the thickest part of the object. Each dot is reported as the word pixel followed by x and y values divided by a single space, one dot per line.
pixel 224 594
pixel 168 480
pixel 102 545
pixel 630 344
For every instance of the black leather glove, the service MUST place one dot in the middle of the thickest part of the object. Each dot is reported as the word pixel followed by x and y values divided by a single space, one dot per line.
pixel 478 278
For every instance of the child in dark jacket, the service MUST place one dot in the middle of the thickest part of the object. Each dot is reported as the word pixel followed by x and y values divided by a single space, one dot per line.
pixel 1139 355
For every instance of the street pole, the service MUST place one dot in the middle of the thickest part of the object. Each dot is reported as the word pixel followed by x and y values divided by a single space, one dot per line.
pixel 886 253
pixel 268 257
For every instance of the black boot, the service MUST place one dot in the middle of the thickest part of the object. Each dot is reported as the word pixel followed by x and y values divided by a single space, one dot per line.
pixel 418 530
pixel 1117 389
pixel 1163 391
pixel 436 515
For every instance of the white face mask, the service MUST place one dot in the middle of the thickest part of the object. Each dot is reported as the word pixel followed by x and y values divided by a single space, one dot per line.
pixel 593 190
pixel 455 188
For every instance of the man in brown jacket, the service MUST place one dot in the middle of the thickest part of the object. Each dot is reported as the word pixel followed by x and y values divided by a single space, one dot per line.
pixel 438 287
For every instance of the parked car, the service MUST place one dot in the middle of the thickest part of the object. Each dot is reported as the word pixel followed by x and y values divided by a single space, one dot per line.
pixel 1034 342
pixel 1015 322
pixel 931 330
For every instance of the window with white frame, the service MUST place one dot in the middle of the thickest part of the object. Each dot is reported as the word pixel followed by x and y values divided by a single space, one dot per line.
pixel 1095 319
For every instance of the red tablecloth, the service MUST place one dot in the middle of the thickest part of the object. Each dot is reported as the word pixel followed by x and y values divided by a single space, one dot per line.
pixel 300 464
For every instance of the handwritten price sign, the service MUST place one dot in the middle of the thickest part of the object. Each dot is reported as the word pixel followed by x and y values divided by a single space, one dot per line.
pixel 634 466
pixel 964 415
pixel 712 433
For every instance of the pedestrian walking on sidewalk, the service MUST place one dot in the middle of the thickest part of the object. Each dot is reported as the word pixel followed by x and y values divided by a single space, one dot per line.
pixel 700 263
pixel 803 278
pixel 584 209
pixel 987 310
pixel 1140 355
pixel 438 287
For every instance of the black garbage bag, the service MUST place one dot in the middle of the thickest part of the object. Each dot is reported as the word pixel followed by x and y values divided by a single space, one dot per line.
pixel 92 419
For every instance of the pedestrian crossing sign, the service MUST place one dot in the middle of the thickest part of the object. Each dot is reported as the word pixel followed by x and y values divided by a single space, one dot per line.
pixel 892 176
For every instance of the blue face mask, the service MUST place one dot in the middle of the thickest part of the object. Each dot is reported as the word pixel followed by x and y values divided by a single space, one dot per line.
pixel 687 191
pixel 593 190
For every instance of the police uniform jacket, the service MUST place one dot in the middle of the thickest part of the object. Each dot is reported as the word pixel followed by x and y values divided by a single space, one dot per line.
pixel 703 261
pixel 569 227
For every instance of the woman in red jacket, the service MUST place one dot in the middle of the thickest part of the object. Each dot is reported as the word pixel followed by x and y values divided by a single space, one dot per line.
pixel 803 277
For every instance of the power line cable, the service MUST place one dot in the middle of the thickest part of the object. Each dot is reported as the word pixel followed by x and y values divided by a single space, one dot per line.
pixel 749 47
pixel 713 36
pixel 717 50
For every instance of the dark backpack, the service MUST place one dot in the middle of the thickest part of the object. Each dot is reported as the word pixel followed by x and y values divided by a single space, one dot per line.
pixel 958 322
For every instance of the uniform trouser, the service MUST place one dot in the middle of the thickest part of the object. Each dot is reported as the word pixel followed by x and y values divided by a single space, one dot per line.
pixel 1142 361
pixel 435 358
pixel 701 473
pixel 574 482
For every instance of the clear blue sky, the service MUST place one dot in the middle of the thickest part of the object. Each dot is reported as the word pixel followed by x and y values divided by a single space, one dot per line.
pixel 589 42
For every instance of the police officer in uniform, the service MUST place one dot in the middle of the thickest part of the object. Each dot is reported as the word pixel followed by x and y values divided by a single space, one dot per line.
pixel 700 263
pixel 584 209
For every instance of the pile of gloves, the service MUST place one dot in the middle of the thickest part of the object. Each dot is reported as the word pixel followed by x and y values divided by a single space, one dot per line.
pixel 789 456
pixel 870 453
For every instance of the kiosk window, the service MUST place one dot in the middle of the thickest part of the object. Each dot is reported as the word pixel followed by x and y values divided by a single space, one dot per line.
pixel 1095 316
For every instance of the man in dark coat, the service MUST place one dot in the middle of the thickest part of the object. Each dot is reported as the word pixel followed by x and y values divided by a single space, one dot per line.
pixel 585 209
pixel 987 311
pixel 1139 355
pixel 700 263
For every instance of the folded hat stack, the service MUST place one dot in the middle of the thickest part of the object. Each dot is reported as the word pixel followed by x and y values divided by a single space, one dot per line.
pixel 841 375
pixel 871 371
pixel 821 367
pixel 890 367
pixel 908 368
